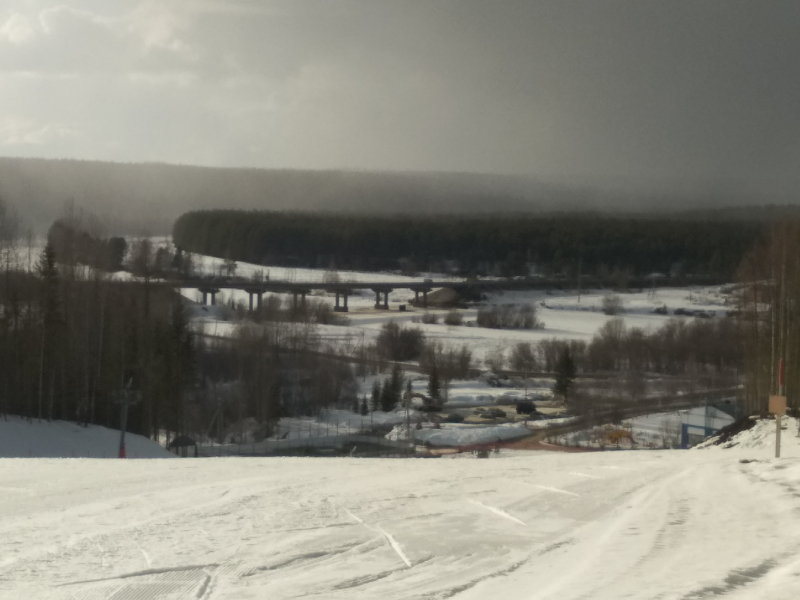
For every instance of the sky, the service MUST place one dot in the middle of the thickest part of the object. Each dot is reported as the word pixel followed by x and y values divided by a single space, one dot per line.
pixel 637 91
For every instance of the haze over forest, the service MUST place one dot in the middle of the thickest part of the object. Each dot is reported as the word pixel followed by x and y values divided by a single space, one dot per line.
pixel 147 198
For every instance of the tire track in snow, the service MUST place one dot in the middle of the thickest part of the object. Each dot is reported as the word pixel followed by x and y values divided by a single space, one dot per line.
pixel 499 512
pixel 611 529
pixel 143 573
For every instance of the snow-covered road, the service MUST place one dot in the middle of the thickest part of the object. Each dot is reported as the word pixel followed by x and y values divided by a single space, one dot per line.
pixel 673 524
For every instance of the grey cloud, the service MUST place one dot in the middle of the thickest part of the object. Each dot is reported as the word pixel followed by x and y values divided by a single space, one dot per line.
pixel 674 92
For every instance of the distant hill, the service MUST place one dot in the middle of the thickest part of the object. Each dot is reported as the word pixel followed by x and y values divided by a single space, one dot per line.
pixel 133 197
pixel 148 197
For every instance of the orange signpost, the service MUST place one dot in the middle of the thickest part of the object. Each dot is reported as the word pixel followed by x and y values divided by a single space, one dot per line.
pixel 777 405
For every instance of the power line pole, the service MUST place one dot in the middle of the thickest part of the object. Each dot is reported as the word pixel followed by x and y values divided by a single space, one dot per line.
pixel 125 401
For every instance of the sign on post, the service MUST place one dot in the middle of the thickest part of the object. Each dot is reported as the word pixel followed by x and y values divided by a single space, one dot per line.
pixel 777 405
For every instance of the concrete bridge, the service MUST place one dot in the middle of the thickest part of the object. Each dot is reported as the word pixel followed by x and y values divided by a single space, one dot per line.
pixel 256 290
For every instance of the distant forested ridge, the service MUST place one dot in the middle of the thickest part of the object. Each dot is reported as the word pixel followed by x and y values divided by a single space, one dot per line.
pixel 499 245
pixel 146 198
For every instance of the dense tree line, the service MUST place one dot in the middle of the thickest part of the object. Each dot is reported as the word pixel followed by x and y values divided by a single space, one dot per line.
pixel 557 245
pixel 74 343
pixel 678 347
pixel 769 311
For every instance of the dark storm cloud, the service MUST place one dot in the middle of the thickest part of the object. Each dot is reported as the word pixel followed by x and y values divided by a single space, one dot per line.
pixel 635 92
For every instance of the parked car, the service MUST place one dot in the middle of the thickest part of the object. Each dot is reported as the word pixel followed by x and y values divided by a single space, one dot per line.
pixel 525 407
pixel 494 413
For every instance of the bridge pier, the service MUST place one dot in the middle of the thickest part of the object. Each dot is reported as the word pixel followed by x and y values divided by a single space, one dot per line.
pixel 302 295
pixel 385 305
pixel 209 291
pixel 339 308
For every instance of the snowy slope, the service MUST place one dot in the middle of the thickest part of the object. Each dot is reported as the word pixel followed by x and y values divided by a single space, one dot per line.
pixel 64 439
pixel 672 524
pixel 762 437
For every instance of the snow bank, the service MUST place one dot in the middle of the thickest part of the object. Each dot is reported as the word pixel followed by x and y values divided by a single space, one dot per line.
pixel 460 435
pixel 65 439
pixel 336 422
pixel 546 423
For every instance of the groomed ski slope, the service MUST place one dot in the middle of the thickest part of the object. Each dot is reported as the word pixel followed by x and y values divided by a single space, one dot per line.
pixel 674 524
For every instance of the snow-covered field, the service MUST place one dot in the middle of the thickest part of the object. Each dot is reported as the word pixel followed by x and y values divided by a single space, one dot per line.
pixel 671 524
pixel 564 314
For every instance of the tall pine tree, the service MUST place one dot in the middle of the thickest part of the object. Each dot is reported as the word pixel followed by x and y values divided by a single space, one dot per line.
pixel 565 374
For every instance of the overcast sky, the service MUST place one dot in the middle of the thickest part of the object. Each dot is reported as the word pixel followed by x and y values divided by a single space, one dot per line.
pixel 564 90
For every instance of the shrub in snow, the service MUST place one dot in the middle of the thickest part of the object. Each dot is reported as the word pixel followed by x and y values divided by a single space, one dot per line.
pixel 509 316
pixel 397 343
pixel 523 357
pixel 430 318
pixel 453 318
pixel 611 305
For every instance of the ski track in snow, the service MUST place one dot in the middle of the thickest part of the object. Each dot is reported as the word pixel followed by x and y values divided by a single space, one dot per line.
pixel 395 546
pixel 583 475
pixel 549 488
pixel 358 528
pixel 498 511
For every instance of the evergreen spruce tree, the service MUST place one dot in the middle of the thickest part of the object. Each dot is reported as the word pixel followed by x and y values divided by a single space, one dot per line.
pixel 364 407
pixel 396 385
pixel 388 396
pixel 376 395
pixel 434 387
pixel 565 374
pixel 51 321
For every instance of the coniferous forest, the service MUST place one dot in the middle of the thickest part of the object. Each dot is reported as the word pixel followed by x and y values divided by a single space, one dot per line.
pixel 506 245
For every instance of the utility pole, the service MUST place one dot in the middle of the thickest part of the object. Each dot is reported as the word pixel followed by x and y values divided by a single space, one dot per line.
pixel 408 425
pixel 125 401
pixel 777 406
pixel 781 392
pixel 579 280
